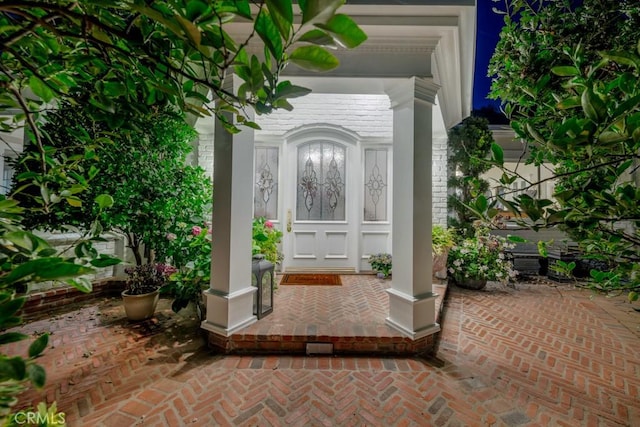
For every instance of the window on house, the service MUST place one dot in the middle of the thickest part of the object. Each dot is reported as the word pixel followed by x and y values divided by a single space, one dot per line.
pixel 375 184
pixel 7 174
pixel 265 198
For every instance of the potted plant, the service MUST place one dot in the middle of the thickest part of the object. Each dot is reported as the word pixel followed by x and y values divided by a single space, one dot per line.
pixel 441 242
pixel 266 239
pixel 190 255
pixel 475 260
pixel 141 294
pixel 381 264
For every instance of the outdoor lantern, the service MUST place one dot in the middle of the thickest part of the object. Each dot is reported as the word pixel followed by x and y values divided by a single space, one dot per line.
pixel 262 278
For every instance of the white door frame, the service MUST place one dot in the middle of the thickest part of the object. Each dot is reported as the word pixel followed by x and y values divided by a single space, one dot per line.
pixel 322 240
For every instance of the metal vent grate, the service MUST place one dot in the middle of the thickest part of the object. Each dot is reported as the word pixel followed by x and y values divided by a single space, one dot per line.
pixel 319 348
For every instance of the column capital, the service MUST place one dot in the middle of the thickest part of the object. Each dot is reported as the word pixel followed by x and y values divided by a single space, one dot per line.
pixel 413 89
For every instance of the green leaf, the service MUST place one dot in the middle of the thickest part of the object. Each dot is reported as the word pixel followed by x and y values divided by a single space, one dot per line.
pixel 74 201
pixel 609 137
pixel 257 78
pixel 516 239
pixel 314 11
pixel 622 58
pixel 542 249
pixel 10 337
pixel 318 37
pixel 10 307
pixel 498 154
pixel 82 284
pixel 40 89
pixel 266 29
pixel 571 102
pixel 565 71
pixel 287 90
pixel 191 30
pixel 37 347
pixel 282 14
pixel 105 261
pixel 344 30
pixel 593 107
pixel 481 203
pixel 37 375
pixel 196 9
pixel 19 367
pixel 22 239
pixel 314 58
pixel 633 296
pixel 115 89
pixel 534 133
pixel 104 201
pixel 93 171
pixel 43 269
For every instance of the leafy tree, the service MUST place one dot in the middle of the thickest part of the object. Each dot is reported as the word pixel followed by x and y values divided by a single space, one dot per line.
pixel 571 91
pixel 142 53
pixel 141 166
pixel 470 145
pixel 136 55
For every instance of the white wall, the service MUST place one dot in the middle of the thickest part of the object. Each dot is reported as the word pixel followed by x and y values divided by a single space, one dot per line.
pixel 367 115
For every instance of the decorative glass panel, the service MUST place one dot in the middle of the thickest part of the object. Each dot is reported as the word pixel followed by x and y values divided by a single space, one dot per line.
pixel 321 182
pixel 265 199
pixel 375 184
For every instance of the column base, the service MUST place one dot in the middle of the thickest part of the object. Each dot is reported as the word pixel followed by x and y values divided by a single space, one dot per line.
pixel 229 313
pixel 412 316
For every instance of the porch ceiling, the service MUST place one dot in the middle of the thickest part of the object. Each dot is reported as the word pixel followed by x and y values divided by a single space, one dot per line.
pixel 435 38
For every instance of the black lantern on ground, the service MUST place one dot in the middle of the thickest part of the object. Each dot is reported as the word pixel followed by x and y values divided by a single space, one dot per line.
pixel 262 278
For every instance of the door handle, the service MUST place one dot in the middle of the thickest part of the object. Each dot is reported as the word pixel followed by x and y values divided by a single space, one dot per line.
pixel 289 221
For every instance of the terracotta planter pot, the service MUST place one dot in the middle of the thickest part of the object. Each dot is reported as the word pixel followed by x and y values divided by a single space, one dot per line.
pixel 140 307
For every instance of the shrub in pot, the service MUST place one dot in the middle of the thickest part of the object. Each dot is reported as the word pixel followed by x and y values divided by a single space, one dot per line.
pixel 441 242
pixel 141 294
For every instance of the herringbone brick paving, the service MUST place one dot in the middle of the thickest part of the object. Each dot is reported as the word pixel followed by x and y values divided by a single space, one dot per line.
pixel 533 355
pixel 351 317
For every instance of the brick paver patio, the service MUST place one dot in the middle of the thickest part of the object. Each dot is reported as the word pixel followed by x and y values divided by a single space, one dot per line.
pixel 351 317
pixel 535 355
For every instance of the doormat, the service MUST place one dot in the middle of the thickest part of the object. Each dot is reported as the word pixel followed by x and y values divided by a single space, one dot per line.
pixel 312 279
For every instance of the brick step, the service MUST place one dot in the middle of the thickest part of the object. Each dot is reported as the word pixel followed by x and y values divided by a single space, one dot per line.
pixel 342 345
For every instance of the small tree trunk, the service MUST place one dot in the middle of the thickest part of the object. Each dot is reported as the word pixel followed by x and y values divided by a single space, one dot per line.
pixel 134 245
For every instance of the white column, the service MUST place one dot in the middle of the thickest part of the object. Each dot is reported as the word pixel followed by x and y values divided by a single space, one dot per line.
pixel 411 300
pixel 230 297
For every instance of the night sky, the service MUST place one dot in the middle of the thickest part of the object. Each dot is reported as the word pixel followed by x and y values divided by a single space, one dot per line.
pixel 488 28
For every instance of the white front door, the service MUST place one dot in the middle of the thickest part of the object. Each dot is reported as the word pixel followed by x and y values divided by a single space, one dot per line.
pixel 321 203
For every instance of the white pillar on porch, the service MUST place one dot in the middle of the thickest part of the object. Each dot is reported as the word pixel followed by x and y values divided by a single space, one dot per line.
pixel 230 296
pixel 411 299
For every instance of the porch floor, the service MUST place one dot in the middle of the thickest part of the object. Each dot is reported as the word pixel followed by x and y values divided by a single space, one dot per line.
pixel 539 354
pixel 351 317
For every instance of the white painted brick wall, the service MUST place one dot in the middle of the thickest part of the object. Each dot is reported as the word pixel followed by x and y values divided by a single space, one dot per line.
pixel 439 191
pixel 205 153
pixel 368 115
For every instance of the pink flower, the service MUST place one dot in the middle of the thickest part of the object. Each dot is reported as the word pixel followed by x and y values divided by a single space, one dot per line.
pixel 171 237
pixel 196 230
pixel 166 269
pixel 268 224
